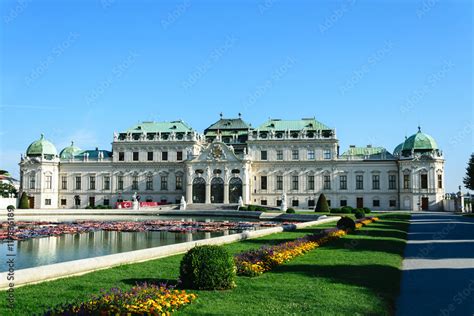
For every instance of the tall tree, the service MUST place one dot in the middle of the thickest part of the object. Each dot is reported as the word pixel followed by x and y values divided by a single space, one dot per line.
pixel 469 179
pixel 322 205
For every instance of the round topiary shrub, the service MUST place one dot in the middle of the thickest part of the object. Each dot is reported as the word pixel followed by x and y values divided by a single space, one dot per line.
pixel 243 208
pixel 367 210
pixel 260 209
pixel 346 223
pixel 252 208
pixel 346 210
pixel 208 268
pixel 335 210
pixel 359 213
pixel 290 210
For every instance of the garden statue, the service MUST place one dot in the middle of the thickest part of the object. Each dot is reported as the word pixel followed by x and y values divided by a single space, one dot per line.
pixel 183 204
pixel 135 203
pixel 284 204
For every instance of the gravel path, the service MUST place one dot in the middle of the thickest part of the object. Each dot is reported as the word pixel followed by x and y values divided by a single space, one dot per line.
pixel 438 269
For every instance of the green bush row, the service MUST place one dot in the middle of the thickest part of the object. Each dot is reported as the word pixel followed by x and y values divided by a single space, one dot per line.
pixel 350 210
pixel 100 207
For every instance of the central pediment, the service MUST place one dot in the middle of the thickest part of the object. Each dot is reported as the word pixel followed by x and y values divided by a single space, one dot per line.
pixel 217 151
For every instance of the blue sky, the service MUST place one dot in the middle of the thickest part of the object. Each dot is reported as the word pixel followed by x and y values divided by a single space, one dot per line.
pixel 374 70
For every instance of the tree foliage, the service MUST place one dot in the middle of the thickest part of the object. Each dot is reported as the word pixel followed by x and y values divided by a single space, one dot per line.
pixel 6 189
pixel 322 205
pixel 469 178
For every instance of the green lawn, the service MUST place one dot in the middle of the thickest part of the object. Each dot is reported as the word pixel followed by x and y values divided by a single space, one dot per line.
pixel 358 274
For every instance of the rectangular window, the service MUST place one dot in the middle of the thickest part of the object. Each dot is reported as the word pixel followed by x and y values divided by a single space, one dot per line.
pixel 33 181
pixel 311 154
pixel 179 155
pixel 295 184
pixel 295 154
pixel 279 154
pixel 375 182
pixel 106 202
pixel 263 181
pixel 263 202
pixel 295 203
pixel 359 182
pixel 164 183
pixel 150 156
pixel 47 202
pixel 63 202
pixel 278 202
pixel 440 181
pixel 263 155
pixel 392 182
pixel 164 156
pixel 92 183
pixel 179 182
pixel 343 182
pixel 121 156
pixel 424 181
pixel 135 183
pixel 78 182
pixel 406 181
pixel 135 155
pixel 343 203
pixel 329 203
pixel 311 203
pixel 310 182
pixel 64 182
pixel 149 182
pixel 327 154
pixel 106 182
pixel 279 182
pixel 393 203
pixel 376 203
pixel 327 183
pixel 120 182
pixel 49 182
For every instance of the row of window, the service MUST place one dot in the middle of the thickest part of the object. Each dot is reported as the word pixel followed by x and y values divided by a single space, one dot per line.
pixel 392 182
pixel 120 183
pixel 342 203
pixel 150 156
pixel 295 154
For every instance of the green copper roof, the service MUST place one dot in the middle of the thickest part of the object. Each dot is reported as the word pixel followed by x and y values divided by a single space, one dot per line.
pixel 226 124
pixel 419 141
pixel 160 127
pixel 69 152
pixel 370 152
pixel 41 147
pixel 292 125
pixel 93 154
pixel 398 149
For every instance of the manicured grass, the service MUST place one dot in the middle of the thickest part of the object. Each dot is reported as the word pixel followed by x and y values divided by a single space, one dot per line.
pixel 358 274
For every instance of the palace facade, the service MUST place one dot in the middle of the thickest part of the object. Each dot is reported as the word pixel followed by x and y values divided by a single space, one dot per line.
pixel 164 161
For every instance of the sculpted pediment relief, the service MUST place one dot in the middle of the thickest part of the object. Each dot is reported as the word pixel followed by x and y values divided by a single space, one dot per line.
pixel 217 152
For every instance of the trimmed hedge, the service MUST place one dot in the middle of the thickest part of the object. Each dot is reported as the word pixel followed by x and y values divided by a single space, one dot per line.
pixel 359 213
pixel 346 223
pixel 322 205
pixel 24 203
pixel 290 210
pixel 208 268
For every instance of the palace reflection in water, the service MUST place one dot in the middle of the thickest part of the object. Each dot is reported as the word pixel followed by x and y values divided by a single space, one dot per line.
pixel 48 250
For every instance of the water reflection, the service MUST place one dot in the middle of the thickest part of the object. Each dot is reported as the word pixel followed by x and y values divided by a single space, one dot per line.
pixel 47 250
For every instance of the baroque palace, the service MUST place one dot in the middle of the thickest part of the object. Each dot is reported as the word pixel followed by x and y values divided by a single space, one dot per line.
pixel 164 161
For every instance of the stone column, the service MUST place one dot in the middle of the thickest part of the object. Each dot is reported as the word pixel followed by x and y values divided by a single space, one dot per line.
pixel 208 191
pixel 189 192
pixel 226 191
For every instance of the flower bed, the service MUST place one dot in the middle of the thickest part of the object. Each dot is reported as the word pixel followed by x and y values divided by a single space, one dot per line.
pixel 256 262
pixel 145 299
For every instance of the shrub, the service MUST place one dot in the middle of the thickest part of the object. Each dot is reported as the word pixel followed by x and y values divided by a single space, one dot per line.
pixel 335 210
pixel 290 210
pixel 260 209
pixel 208 268
pixel 346 209
pixel 367 210
pixel 243 208
pixel 346 223
pixel 322 205
pixel 252 208
pixel 24 203
pixel 359 213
